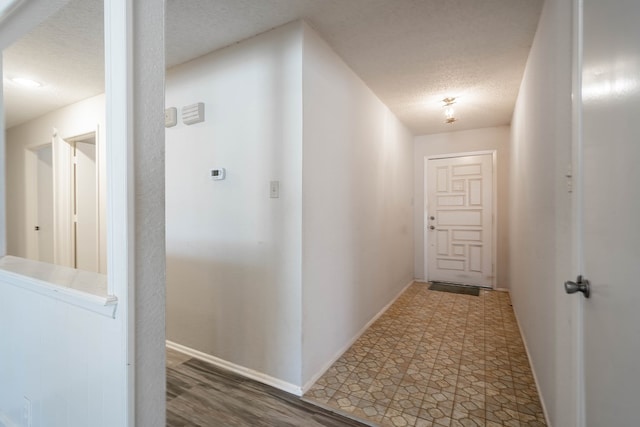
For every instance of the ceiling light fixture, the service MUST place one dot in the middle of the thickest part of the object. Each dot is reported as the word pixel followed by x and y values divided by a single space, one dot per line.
pixel 449 101
pixel 26 82
pixel 449 114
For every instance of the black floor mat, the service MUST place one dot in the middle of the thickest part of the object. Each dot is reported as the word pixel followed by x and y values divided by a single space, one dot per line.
pixel 455 289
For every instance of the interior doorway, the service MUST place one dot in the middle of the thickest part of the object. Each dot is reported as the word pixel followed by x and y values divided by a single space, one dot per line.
pixel 65 203
pixel 459 219
pixel 85 203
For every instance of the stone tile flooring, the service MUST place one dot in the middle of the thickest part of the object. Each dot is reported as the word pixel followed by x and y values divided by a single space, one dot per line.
pixel 436 359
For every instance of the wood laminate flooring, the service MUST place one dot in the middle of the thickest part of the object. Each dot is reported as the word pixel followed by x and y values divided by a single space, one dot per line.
pixel 199 394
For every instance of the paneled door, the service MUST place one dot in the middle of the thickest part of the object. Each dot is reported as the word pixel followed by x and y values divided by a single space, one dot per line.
pixel 460 219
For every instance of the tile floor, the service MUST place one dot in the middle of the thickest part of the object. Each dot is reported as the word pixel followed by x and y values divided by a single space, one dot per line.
pixel 436 359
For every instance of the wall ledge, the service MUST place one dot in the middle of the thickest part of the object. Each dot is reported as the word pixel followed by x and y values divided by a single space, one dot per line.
pixel 79 288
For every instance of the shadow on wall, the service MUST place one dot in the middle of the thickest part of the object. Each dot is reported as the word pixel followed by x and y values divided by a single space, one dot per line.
pixel 224 305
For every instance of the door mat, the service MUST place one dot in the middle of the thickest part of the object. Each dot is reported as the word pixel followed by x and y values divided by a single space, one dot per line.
pixel 455 289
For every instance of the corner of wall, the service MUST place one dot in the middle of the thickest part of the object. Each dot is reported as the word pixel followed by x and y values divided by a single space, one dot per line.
pixel 357 214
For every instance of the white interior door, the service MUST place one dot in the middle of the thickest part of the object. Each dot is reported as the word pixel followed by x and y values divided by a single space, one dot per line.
pixel 63 240
pixel 86 206
pixel 460 220
pixel 610 211
pixel 76 203
pixel 44 202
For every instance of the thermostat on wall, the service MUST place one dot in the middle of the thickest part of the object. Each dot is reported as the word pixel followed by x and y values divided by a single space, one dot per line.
pixel 170 117
pixel 218 173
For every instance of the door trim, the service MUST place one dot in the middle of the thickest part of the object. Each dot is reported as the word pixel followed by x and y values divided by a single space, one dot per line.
pixel 494 207
pixel 577 211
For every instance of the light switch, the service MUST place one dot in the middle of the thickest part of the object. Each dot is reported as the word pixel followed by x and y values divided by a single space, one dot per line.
pixel 274 189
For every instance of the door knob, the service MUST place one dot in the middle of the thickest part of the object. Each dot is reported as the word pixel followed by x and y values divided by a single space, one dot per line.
pixel 580 285
pixel 431 227
pixel 432 218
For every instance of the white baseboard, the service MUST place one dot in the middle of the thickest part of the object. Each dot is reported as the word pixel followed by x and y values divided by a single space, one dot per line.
pixel 272 381
pixel 533 371
pixel 501 289
pixel 346 347
pixel 237 369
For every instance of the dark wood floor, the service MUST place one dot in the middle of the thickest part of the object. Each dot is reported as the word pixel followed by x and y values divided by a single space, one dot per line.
pixel 199 394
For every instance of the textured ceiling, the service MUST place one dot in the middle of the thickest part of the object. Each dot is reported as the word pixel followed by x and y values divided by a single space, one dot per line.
pixel 65 54
pixel 411 53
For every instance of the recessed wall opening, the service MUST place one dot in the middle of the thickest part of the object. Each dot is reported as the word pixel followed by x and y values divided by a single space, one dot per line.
pixel 55 155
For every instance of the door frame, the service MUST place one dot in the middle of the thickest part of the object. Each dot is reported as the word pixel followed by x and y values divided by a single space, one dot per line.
pixel 72 141
pixel 576 178
pixel 494 207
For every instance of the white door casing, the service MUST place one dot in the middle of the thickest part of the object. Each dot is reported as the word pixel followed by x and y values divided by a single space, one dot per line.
pixel 76 203
pixel 86 207
pixel 459 219
pixel 610 237
pixel 63 189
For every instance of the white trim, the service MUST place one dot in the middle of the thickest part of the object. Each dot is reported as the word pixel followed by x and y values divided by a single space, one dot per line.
pixel 64 248
pixel 494 207
pixel 272 381
pixel 533 371
pixel 237 369
pixel 73 144
pixel 346 347
pixel 460 154
pixel 501 289
pixel 118 37
pixel 577 148
pixel 3 175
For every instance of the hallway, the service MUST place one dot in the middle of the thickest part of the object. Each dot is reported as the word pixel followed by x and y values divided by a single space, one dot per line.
pixel 436 358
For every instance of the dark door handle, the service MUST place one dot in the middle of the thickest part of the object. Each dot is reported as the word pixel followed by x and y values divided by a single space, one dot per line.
pixel 580 285
pixel 431 227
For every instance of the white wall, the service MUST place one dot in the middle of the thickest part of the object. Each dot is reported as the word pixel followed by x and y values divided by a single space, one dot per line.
pixel 357 235
pixel 540 208
pixel 234 253
pixel 144 88
pixel 493 138
pixel 252 280
pixel 76 366
pixel 64 359
pixel 73 120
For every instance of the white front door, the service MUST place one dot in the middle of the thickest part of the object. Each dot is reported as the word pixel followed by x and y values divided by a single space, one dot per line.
pixel 610 211
pixel 460 219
